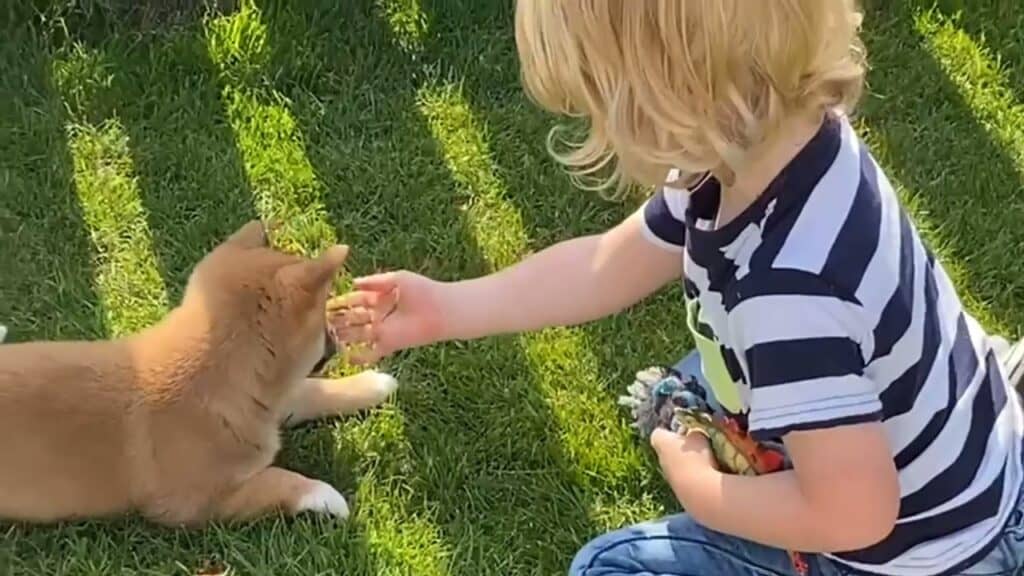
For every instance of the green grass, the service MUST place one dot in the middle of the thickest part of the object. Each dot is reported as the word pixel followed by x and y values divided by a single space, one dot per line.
pixel 398 126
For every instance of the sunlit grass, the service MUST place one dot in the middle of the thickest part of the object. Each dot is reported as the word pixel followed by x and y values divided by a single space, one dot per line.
pixel 127 278
pixel 284 186
pixel 126 275
pixel 407 22
pixel 401 538
pixel 982 82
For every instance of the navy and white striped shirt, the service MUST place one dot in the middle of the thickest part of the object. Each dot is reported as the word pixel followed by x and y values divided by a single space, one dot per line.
pixel 820 306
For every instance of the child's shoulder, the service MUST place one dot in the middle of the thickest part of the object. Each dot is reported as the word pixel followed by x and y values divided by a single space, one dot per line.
pixel 835 218
pixel 837 250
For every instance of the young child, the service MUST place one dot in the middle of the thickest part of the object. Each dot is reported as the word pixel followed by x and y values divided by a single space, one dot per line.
pixel 820 317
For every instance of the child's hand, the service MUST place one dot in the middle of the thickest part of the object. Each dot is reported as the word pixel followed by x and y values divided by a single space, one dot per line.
pixel 387 313
pixel 688 450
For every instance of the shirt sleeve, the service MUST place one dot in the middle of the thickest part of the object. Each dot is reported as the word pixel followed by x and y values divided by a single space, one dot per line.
pixel 799 349
pixel 664 218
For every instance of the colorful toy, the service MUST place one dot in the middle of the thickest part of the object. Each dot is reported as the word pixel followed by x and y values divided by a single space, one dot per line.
pixel 663 398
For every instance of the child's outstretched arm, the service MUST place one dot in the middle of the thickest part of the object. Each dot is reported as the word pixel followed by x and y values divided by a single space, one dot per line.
pixel 570 283
pixel 841 495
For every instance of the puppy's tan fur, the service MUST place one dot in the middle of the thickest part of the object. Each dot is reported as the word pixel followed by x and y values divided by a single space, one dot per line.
pixel 181 421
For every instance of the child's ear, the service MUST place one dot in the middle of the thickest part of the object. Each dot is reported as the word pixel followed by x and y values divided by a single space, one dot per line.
pixel 314 274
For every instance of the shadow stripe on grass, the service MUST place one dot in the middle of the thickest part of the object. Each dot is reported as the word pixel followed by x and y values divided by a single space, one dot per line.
pixel 47 289
pixel 189 171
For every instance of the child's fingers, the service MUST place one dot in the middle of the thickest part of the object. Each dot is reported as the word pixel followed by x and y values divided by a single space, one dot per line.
pixel 386 304
pixel 356 334
pixel 354 317
pixel 351 300
pixel 380 304
pixel 386 282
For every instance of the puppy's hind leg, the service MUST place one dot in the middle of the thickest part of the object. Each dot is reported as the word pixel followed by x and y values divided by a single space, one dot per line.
pixel 279 490
pixel 318 398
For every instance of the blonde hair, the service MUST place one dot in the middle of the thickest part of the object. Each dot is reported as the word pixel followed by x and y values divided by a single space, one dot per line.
pixel 686 85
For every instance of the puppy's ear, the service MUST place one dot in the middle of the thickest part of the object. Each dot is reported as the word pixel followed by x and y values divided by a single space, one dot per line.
pixel 252 235
pixel 315 274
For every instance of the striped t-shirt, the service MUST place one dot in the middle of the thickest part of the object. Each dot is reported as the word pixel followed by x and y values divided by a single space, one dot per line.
pixel 820 306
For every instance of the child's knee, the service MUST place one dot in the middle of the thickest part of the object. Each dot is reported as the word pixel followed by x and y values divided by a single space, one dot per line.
pixel 674 545
pixel 586 556
pixel 633 550
pixel 598 555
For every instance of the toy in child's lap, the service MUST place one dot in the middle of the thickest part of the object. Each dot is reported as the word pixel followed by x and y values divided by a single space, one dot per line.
pixel 663 398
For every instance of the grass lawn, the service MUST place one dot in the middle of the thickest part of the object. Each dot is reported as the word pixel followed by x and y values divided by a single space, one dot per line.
pixel 398 126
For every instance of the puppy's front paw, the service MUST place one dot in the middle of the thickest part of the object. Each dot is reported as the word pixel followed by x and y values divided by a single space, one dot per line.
pixel 384 384
pixel 322 498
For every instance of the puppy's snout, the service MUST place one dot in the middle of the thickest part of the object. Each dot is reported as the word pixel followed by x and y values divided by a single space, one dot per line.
pixel 330 349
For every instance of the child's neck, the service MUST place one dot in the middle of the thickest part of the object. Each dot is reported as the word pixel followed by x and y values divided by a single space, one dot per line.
pixel 765 162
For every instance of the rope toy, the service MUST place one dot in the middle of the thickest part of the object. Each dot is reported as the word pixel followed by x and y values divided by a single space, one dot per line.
pixel 663 398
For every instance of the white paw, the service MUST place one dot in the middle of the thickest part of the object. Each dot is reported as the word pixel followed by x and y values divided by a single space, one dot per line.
pixel 385 384
pixel 3 332
pixel 322 498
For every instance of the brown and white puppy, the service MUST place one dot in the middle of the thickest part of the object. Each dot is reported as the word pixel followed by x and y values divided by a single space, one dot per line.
pixel 180 422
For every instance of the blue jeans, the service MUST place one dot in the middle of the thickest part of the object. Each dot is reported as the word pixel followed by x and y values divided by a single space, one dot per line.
pixel 678 546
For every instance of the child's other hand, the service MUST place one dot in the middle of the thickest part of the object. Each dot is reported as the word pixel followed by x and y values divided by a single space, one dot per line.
pixel 683 450
pixel 387 313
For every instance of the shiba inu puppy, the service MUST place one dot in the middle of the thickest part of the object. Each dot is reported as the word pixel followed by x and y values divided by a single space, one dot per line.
pixel 180 422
